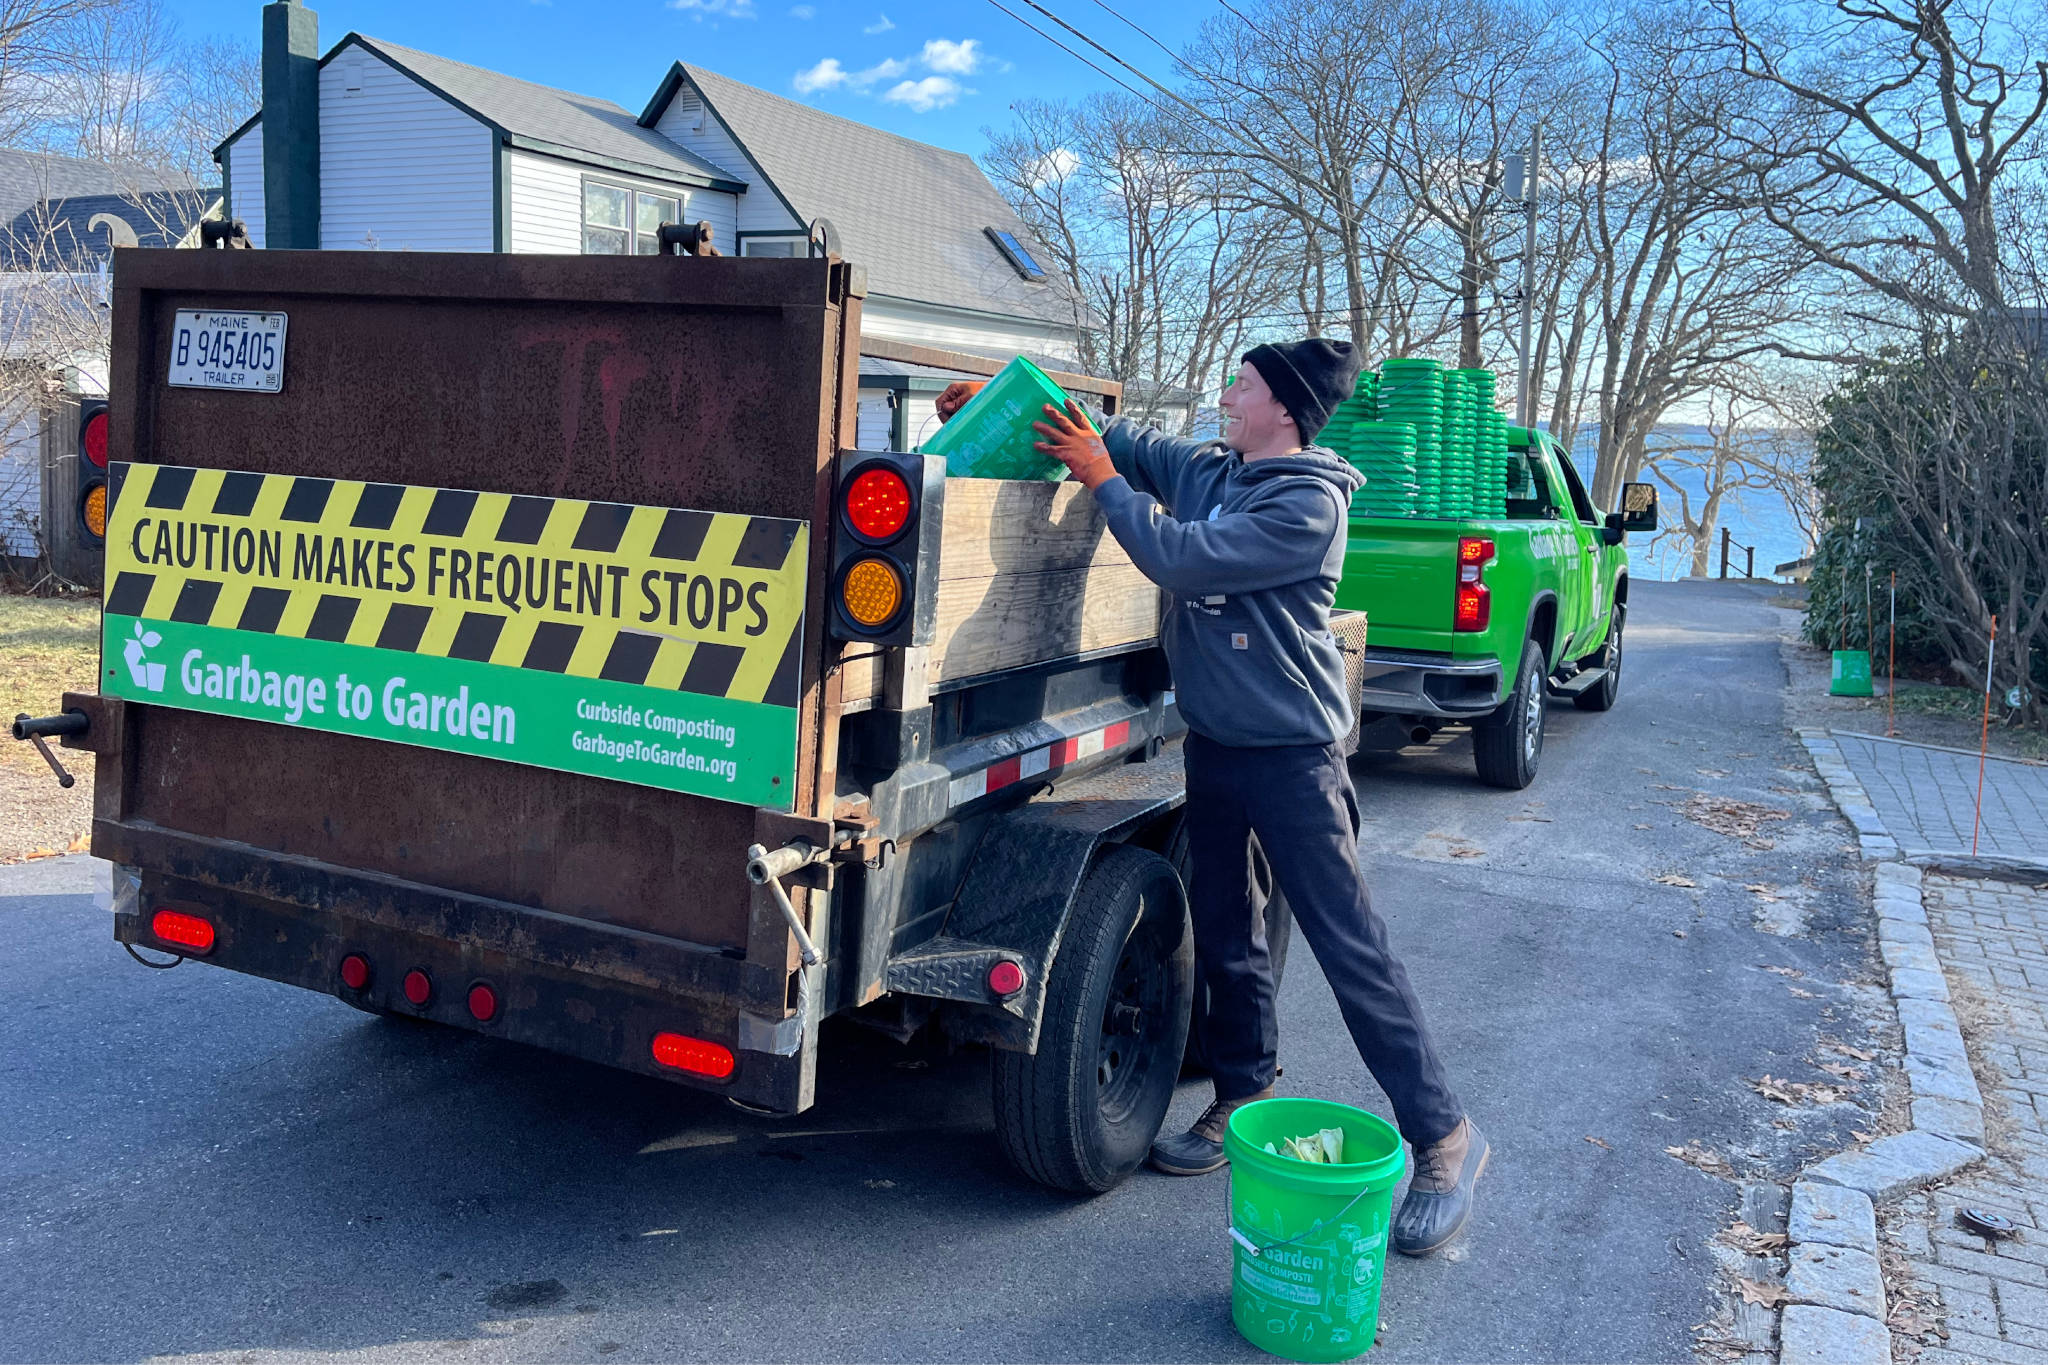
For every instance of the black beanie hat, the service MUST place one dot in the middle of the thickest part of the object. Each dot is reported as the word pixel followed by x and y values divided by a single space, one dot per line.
pixel 1310 378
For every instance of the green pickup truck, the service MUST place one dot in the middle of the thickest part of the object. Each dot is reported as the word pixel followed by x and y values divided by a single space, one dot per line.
pixel 1481 622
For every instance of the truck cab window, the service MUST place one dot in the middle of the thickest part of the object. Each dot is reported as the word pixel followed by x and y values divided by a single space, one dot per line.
pixel 1582 504
pixel 1530 488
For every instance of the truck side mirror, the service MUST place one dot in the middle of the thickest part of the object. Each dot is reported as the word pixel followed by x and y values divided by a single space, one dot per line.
pixel 1638 507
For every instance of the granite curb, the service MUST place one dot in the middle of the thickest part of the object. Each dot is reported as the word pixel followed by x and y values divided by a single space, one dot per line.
pixel 1836 1304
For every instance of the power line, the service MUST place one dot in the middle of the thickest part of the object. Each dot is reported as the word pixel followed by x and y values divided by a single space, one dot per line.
pixel 1108 76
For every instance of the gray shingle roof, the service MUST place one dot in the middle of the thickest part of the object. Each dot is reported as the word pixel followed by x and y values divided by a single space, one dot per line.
pixel 546 118
pixel 29 177
pixel 911 213
pixel 60 234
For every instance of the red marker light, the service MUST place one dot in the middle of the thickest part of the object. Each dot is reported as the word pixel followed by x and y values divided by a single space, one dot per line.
pixel 483 1003
pixel 878 503
pixel 419 987
pixel 93 440
pixel 355 971
pixel 187 931
pixel 1006 978
pixel 695 1055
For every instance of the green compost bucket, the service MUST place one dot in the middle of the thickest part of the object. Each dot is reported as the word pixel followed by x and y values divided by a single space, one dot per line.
pixel 1852 674
pixel 991 436
pixel 1311 1240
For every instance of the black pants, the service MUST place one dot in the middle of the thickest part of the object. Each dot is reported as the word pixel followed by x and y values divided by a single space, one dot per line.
pixel 1300 802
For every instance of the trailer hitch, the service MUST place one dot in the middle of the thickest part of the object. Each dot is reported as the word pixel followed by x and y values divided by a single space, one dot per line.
pixel 35 728
pixel 766 868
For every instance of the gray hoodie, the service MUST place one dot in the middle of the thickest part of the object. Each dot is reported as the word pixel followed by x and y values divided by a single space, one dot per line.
pixel 1251 553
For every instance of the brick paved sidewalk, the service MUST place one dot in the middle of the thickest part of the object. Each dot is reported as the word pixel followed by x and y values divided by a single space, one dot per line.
pixel 1993 942
pixel 1927 797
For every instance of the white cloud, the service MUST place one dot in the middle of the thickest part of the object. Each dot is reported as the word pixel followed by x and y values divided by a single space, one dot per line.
pixel 715 9
pixel 881 71
pixel 957 59
pixel 803 11
pixel 824 76
pixel 933 92
pixel 882 24
pixel 1054 167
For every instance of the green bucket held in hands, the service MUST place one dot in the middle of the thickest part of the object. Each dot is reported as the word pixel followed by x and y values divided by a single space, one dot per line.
pixel 1311 1239
pixel 991 436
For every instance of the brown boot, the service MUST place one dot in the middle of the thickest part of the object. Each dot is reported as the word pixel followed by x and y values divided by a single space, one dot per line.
pixel 1440 1196
pixel 1199 1150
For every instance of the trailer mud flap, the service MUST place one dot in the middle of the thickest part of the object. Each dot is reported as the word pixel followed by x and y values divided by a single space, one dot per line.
pixel 1019 888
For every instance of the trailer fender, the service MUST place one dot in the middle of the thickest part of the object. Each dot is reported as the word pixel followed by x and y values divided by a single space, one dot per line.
pixel 1018 892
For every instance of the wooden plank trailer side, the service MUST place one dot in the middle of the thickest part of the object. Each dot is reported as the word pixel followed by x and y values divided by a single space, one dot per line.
pixel 971 820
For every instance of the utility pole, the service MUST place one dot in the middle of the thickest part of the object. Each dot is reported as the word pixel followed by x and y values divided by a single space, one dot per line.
pixel 1525 403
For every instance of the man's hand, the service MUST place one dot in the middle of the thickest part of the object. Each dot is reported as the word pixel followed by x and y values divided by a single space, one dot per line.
pixel 955 398
pixel 1073 440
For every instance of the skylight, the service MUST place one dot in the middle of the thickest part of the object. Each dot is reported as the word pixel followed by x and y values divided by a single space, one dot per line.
pixel 1013 251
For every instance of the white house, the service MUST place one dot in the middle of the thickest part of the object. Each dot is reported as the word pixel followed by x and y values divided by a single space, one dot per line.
pixel 419 153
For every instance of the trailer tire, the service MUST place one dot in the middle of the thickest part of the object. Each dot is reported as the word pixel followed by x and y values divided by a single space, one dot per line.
pixel 1600 696
pixel 1268 899
pixel 1082 1111
pixel 1508 744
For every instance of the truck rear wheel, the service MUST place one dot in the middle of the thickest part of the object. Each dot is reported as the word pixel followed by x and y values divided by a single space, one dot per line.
pixel 1508 744
pixel 1081 1112
pixel 1600 696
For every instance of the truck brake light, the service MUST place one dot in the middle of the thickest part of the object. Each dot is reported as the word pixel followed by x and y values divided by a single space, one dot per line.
pixel 187 931
pixel 1473 609
pixel 878 503
pixel 680 1052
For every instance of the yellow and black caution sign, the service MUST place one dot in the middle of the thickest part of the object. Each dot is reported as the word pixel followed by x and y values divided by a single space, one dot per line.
pixel 697 602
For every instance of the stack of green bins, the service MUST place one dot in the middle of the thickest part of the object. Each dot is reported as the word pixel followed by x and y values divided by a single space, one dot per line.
pixel 1461 424
pixel 1385 453
pixel 1411 393
pixel 1493 448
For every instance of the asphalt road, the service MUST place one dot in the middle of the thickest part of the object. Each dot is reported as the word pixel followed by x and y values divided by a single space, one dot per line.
pixel 199 1164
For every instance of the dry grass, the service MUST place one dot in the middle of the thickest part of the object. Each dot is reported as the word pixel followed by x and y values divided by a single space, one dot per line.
pixel 48 645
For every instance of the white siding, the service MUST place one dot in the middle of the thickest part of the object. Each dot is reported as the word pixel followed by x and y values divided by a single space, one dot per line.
pixel 873 432
pixel 21 486
pixel 922 415
pixel 547 203
pixel 687 123
pixel 245 181
pixel 401 169
pixel 901 320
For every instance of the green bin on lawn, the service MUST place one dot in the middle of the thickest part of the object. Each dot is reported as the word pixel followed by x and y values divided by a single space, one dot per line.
pixel 991 436
pixel 1852 674
pixel 1311 1239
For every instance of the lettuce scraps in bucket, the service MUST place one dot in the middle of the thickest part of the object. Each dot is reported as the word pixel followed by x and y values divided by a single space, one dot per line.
pixel 1323 1148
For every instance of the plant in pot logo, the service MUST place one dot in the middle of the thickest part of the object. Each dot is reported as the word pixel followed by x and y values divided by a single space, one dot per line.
pixel 146 675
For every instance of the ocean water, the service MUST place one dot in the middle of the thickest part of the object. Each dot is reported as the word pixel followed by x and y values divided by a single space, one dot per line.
pixel 1754 517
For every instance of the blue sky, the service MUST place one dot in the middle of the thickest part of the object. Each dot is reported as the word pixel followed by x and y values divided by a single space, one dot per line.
pixel 936 70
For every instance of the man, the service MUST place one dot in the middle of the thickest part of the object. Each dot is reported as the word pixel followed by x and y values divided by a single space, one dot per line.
pixel 1247 534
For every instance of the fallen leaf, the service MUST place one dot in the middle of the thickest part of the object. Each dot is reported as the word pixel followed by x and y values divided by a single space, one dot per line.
pixel 1534 819
pixel 1847 1073
pixel 80 844
pixel 1859 1053
pixel 1737 819
pixel 1468 853
pixel 1803 995
pixel 1787 1124
pixel 1710 772
pixel 1598 1143
pixel 1678 933
pixel 1857 1136
pixel 1760 1293
pixel 1747 1239
pixel 1781 971
pixel 1712 1162
pixel 1644 827
pixel 1674 879
pixel 1823 1216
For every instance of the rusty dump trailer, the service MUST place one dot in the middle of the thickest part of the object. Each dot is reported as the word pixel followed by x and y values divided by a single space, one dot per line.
pixel 478 649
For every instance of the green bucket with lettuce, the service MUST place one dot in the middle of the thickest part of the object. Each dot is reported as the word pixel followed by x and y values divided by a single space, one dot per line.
pixel 991 436
pixel 1310 1234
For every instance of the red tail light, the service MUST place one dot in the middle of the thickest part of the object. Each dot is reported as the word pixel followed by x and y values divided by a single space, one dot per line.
pixel 1006 978
pixel 694 1055
pixel 878 504
pixel 483 1003
pixel 419 987
pixel 1474 601
pixel 187 931
pixel 355 971
pixel 92 438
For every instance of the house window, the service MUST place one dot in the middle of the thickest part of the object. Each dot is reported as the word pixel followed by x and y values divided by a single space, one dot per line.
pixel 618 221
pixel 775 246
pixel 1014 252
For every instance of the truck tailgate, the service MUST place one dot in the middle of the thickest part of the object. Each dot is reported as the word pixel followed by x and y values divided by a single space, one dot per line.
pixel 1402 572
pixel 656 384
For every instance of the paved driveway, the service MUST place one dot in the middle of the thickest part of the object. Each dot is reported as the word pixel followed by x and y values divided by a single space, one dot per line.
pixel 197 1164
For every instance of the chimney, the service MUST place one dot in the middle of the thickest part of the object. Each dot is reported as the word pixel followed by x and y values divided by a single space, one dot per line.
pixel 291 126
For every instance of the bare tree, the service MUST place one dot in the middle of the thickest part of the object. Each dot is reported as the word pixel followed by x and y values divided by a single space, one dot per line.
pixel 1743 447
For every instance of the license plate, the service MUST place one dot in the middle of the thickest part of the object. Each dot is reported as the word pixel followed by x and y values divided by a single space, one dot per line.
pixel 228 351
